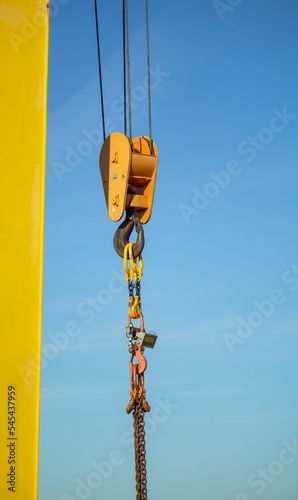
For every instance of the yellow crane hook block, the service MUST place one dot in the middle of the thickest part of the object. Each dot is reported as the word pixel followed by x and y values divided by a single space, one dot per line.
pixel 128 170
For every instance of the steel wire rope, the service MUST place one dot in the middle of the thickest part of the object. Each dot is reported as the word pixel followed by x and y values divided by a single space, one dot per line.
pixel 126 66
pixel 99 72
pixel 124 70
pixel 148 74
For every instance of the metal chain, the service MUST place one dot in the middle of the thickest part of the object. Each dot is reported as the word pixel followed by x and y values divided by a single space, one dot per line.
pixel 138 404
pixel 133 277
pixel 134 299
pixel 140 450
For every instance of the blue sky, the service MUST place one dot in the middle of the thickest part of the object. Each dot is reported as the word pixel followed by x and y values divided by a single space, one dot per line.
pixel 220 281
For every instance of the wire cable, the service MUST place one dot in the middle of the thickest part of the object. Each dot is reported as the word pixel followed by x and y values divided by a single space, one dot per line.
pixel 127 69
pixel 124 69
pixel 100 73
pixel 148 73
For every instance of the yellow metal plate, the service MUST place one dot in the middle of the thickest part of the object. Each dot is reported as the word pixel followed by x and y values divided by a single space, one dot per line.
pixel 114 165
pixel 147 163
pixel 23 62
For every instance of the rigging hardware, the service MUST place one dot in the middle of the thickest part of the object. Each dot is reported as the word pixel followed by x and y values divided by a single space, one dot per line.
pixel 128 169
pixel 142 338
pixel 122 234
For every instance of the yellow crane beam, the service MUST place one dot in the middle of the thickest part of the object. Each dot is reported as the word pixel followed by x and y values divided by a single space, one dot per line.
pixel 23 62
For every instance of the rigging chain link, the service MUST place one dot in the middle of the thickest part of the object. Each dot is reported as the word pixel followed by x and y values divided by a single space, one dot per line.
pixel 133 276
pixel 138 403
pixel 140 449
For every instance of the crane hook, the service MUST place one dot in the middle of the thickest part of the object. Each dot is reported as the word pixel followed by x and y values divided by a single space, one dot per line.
pixel 121 237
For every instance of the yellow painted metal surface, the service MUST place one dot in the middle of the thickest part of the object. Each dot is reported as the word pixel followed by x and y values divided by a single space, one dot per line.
pixel 23 69
pixel 128 171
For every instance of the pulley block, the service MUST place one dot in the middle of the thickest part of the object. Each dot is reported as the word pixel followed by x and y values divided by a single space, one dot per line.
pixel 128 169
